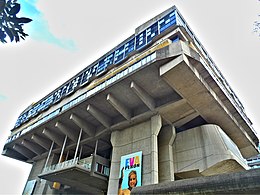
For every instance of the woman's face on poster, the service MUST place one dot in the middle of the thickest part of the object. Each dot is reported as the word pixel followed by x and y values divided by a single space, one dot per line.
pixel 132 180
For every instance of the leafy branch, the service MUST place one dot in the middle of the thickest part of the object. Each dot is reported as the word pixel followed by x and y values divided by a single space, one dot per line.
pixel 10 24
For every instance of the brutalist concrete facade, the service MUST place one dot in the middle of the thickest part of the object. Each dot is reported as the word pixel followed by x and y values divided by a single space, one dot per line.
pixel 158 94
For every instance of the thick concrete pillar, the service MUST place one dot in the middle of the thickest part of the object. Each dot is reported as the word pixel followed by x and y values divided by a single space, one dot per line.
pixel 115 164
pixel 140 137
pixel 166 138
pixel 156 124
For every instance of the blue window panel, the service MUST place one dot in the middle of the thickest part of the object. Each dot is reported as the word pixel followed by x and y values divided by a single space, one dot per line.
pixel 101 66
pixel 167 21
pixel 70 88
pixel 33 111
pixel 45 103
pixel 23 118
pixel 64 89
pixel 74 84
pixel 105 63
pixel 119 54
pixel 48 101
pixel 41 106
pixel 141 40
pixel 18 122
pixel 175 39
pixel 57 96
pixel 88 74
pixel 151 32
pixel 109 60
pixel 129 47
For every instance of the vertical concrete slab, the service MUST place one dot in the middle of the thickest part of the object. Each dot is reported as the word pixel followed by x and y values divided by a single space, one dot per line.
pixel 140 137
pixel 156 124
pixel 205 150
pixel 166 138
pixel 42 186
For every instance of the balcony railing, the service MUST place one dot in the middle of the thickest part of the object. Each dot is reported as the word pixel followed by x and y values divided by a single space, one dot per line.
pixel 67 164
pixel 100 167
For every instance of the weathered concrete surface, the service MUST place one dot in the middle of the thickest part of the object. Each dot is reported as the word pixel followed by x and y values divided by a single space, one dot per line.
pixel 205 150
pixel 141 137
pixel 166 138
pixel 183 77
pixel 245 182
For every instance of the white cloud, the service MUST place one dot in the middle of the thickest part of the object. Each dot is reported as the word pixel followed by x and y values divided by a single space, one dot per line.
pixel 39 28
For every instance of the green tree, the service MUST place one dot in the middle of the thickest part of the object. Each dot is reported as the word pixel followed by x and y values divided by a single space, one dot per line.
pixel 10 24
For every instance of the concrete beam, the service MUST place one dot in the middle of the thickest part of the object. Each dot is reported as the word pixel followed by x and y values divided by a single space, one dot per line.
pixel 64 129
pixel 33 147
pixel 120 107
pixel 53 136
pixel 86 127
pixel 10 152
pixel 186 119
pixel 184 78
pixel 24 151
pixel 105 142
pixel 143 95
pixel 100 116
pixel 89 147
pixel 43 142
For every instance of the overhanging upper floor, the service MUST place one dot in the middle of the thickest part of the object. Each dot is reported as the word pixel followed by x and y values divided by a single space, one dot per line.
pixel 169 78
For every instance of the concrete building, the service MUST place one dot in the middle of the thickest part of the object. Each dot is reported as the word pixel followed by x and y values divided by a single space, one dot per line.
pixel 254 162
pixel 156 104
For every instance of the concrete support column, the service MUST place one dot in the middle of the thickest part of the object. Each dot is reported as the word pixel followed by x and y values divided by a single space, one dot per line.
pixel 77 147
pixel 49 154
pixel 139 137
pixel 166 138
pixel 42 186
pixel 62 150
pixel 156 124
pixel 115 165
pixel 93 164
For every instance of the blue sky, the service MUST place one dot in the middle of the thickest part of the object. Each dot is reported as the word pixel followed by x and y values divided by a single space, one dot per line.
pixel 39 29
pixel 2 97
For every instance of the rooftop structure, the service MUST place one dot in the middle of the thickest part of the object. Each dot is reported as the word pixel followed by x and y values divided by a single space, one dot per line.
pixel 156 103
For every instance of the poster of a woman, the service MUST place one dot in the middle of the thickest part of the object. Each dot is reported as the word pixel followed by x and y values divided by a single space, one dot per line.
pixel 130 174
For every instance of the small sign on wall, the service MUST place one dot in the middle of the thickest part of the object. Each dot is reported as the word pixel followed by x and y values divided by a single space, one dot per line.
pixel 30 185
